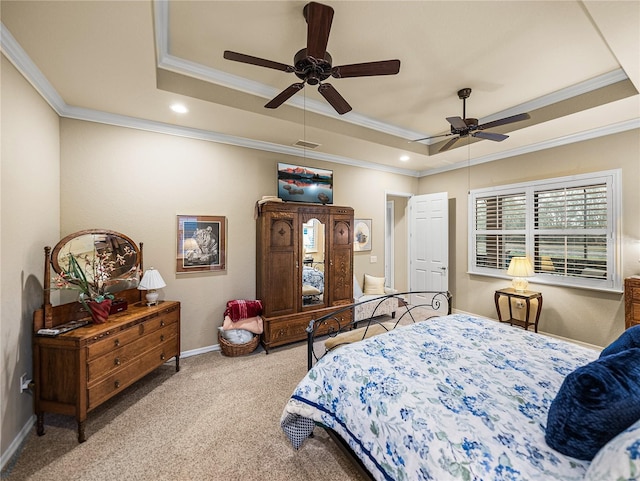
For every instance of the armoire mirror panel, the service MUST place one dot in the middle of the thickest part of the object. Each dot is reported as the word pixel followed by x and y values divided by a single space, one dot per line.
pixel 313 260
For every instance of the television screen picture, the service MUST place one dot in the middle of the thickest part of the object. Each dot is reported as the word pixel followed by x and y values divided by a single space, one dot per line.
pixel 305 184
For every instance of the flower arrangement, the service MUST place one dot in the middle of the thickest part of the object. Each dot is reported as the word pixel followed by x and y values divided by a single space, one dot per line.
pixel 92 274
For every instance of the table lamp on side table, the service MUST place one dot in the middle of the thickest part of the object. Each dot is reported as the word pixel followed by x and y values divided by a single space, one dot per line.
pixel 519 268
pixel 151 280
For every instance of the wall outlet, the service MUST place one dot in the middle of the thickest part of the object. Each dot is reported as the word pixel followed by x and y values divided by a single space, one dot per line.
pixel 373 259
pixel 24 382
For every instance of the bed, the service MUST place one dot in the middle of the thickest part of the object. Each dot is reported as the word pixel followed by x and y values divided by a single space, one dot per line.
pixel 452 397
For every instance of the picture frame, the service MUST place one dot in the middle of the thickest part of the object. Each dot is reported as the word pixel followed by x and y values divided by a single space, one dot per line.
pixel 201 243
pixel 297 183
pixel 361 235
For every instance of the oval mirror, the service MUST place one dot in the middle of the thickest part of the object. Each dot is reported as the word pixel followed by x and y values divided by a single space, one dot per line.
pixel 103 255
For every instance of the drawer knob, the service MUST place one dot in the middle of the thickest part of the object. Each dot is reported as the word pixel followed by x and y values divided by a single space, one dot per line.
pixel 117 342
pixel 162 356
pixel 116 384
pixel 161 337
pixel 116 361
pixel 162 323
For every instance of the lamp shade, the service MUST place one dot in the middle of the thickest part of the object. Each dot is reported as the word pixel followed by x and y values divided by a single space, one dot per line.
pixel 151 280
pixel 520 267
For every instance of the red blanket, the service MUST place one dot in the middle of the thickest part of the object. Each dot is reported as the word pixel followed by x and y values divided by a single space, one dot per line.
pixel 242 309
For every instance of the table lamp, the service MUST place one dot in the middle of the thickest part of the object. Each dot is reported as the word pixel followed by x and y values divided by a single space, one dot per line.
pixel 519 268
pixel 151 280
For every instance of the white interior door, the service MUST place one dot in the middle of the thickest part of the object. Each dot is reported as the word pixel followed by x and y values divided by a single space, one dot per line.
pixel 428 244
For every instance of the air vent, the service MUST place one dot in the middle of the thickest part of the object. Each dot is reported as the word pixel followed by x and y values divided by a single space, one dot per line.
pixel 306 145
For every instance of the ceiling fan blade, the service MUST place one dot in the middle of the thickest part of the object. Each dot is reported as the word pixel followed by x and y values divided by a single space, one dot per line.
pixel 449 144
pixel 240 57
pixel 334 98
pixel 457 123
pixel 367 69
pixel 490 136
pixel 432 137
pixel 506 120
pixel 319 18
pixel 285 95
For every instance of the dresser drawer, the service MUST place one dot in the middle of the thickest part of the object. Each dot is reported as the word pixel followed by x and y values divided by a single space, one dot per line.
pixel 121 357
pixel 634 292
pixel 287 331
pixel 111 340
pixel 137 368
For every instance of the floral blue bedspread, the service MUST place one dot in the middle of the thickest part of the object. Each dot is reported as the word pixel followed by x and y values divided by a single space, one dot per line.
pixel 456 397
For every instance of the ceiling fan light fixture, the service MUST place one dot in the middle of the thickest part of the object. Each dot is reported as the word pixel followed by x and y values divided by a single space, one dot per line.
pixel 464 127
pixel 313 64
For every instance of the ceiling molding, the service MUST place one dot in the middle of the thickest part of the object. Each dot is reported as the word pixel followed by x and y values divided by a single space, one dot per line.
pixel 14 52
pixel 23 63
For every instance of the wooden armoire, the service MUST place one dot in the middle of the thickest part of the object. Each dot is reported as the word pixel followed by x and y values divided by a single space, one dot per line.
pixel 304 266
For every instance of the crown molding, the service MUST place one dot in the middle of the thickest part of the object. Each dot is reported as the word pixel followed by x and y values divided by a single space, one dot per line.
pixel 23 63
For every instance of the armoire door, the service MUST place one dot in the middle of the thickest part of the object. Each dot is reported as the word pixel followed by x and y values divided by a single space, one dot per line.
pixel 280 279
pixel 341 259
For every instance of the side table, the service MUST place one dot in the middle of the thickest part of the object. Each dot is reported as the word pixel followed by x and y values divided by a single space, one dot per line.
pixel 510 293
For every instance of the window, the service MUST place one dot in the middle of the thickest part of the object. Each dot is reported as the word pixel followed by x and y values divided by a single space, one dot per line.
pixel 566 226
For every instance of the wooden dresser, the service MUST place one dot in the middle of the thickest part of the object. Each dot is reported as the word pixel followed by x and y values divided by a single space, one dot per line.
pixel 631 301
pixel 76 371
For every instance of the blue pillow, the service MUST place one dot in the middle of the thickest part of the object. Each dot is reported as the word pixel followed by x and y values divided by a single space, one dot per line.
pixel 595 403
pixel 628 339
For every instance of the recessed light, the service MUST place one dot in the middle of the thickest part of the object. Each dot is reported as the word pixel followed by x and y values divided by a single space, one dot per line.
pixel 404 158
pixel 179 109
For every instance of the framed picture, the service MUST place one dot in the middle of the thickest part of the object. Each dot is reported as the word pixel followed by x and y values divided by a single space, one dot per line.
pixel 361 235
pixel 201 243
pixel 305 184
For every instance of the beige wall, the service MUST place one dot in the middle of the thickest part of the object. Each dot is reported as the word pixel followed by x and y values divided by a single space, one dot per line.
pixel 29 215
pixel 137 182
pixel 586 315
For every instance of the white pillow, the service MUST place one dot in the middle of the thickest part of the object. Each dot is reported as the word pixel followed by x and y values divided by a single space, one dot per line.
pixel 619 458
pixel 374 285
pixel 308 290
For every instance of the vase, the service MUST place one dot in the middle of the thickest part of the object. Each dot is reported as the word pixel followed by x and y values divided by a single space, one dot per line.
pixel 99 310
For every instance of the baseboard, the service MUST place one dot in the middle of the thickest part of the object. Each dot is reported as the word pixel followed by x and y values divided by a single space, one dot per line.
pixel 14 447
pixel 200 350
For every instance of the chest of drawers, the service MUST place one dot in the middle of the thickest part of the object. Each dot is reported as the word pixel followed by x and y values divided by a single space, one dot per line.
pixel 631 302
pixel 77 371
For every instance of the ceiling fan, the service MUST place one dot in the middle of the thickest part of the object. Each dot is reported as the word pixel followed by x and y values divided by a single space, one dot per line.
pixel 463 126
pixel 313 64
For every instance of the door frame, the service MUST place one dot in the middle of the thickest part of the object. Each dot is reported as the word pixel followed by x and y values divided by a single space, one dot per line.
pixel 389 231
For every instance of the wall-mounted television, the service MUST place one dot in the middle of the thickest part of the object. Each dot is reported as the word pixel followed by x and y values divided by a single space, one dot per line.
pixel 305 184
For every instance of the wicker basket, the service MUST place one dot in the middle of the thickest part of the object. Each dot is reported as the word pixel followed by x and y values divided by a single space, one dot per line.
pixel 230 349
